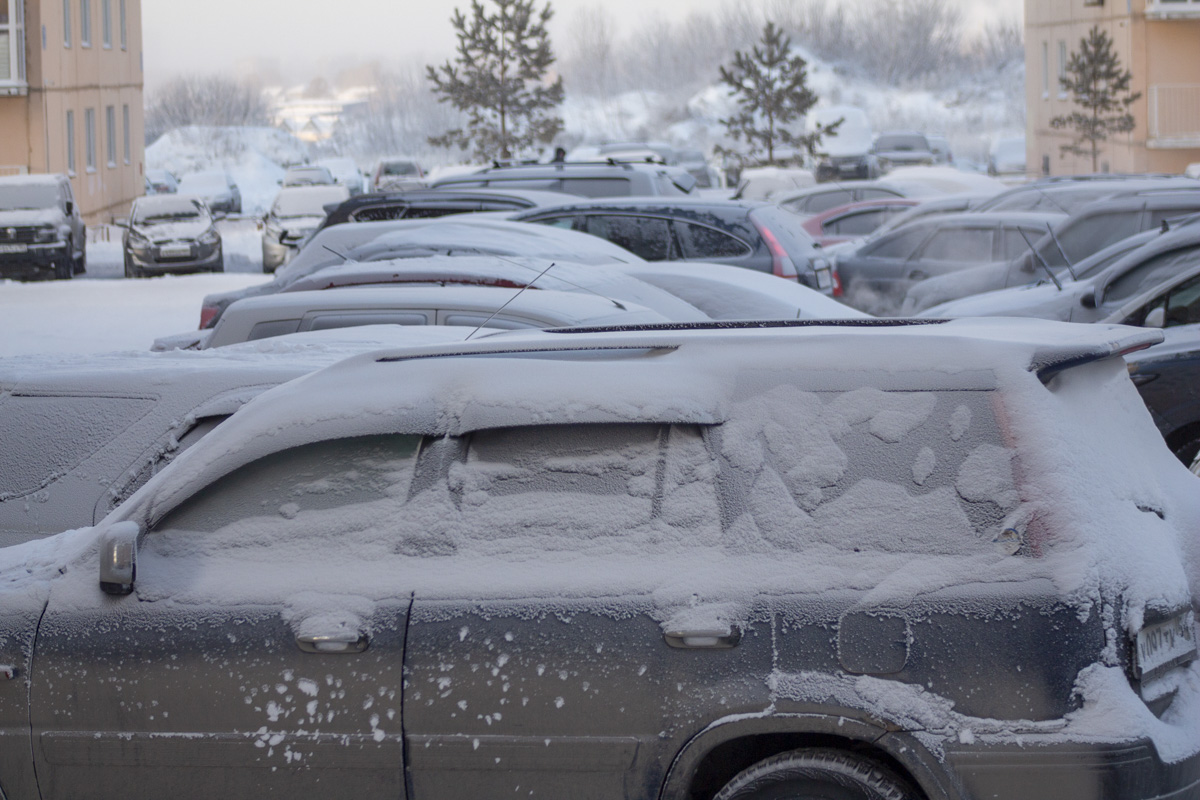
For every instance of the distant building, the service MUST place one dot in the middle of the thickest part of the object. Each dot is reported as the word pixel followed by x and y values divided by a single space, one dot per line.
pixel 1158 40
pixel 71 97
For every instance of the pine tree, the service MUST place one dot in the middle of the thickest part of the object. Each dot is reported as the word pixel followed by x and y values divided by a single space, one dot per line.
pixel 1101 90
pixel 771 86
pixel 499 79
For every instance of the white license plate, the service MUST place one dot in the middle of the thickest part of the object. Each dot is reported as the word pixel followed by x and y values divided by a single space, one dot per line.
pixel 848 168
pixel 13 248
pixel 824 278
pixel 1165 644
pixel 175 252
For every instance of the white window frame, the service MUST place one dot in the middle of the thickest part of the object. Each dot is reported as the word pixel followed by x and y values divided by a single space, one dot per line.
pixel 71 143
pixel 1062 66
pixel 1045 70
pixel 85 23
pixel 15 61
pixel 124 26
pixel 110 135
pixel 128 140
pixel 67 23
pixel 89 135
pixel 106 23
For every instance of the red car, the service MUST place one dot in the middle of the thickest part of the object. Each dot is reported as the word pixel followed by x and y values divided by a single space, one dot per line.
pixel 854 219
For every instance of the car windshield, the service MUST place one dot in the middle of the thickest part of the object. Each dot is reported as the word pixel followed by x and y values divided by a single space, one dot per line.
pixel 203 184
pixel 172 210
pixel 901 143
pixel 305 203
pixel 310 175
pixel 399 168
pixel 15 196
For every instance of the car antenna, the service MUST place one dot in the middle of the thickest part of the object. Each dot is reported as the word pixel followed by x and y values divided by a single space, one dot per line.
pixel 579 286
pixel 1033 253
pixel 1063 253
pixel 345 258
pixel 506 302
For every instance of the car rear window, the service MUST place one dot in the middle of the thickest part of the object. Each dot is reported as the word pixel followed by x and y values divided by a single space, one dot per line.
pixel 701 241
pixel 596 187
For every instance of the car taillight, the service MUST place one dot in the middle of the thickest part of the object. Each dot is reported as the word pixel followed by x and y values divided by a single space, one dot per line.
pixel 837 281
pixel 781 263
pixel 208 315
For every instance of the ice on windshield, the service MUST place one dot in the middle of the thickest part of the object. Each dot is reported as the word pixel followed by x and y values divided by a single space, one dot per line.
pixel 166 209
pixel 308 203
pixel 16 196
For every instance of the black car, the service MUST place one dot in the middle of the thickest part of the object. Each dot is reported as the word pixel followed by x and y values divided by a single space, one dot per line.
pixel 588 178
pixel 754 235
pixel 420 203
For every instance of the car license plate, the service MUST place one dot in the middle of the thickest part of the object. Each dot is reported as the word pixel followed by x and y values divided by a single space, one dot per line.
pixel 1165 644
pixel 13 248
pixel 824 278
pixel 177 251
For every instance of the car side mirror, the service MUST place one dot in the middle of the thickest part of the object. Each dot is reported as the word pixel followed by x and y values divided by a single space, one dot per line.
pixel 1089 299
pixel 1155 318
pixel 118 558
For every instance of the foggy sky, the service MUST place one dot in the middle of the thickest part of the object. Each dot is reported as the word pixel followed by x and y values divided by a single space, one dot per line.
pixel 311 37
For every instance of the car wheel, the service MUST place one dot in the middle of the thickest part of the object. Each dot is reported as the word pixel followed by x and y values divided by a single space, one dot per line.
pixel 79 265
pixel 827 774
pixel 64 271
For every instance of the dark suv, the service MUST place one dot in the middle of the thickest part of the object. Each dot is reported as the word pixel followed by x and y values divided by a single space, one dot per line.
pixel 41 232
pixel 885 561
pixel 747 234
pixel 586 178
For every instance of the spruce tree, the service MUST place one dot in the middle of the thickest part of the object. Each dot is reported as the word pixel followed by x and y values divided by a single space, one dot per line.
pixel 498 79
pixel 1101 91
pixel 771 86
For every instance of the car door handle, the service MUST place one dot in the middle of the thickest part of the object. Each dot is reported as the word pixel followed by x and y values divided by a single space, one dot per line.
pixel 332 645
pixel 704 639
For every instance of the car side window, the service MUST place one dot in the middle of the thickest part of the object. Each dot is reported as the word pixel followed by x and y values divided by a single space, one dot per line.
pixel 565 222
pixel 876 194
pixel 856 223
pixel 1183 304
pixel 1149 273
pixel 597 187
pixel 897 245
pixel 701 241
pixel 1093 234
pixel 647 237
pixel 960 244
pixel 307 489
pixel 827 200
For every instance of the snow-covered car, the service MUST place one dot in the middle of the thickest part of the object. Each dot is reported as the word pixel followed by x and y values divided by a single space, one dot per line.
pixel 889 561
pixel 814 199
pixel 1007 157
pixel 847 152
pixel 82 433
pixel 1068 194
pixel 452 236
pixel 394 174
pixel 855 220
pixel 307 175
pixel 216 188
pixel 295 214
pixel 902 149
pixel 590 179
pixel 169 234
pixel 42 234
pixel 345 172
pixel 161 181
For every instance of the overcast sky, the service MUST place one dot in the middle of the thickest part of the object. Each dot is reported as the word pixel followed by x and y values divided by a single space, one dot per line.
pixel 309 37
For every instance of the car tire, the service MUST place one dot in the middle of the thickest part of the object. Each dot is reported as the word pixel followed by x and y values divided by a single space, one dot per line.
pixel 79 265
pixel 830 774
pixel 65 271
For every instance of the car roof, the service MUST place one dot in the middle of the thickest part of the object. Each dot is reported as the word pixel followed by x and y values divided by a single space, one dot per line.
pixel 643 203
pixel 573 168
pixel 976 219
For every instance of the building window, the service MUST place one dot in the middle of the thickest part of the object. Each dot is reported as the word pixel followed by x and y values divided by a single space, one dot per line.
pixel 1045 69
pixel 1062 67
pixel 125 130
pixel 12 42
pixel 66 23
pixel 106 22
pixel 89 135
pixel 110 135
pixel 85 23
pixel 71 142
pixel 124 29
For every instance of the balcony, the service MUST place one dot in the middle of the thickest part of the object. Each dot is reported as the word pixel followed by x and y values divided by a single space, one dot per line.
pixel 1174 115
pixel 1172 9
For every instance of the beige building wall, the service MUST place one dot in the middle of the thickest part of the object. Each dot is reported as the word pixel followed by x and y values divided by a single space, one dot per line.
pixel 67 78
pixel 1158 41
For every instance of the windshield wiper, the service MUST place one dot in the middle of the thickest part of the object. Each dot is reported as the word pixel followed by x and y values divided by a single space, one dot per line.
pixel 1063 253
pixel 1033 253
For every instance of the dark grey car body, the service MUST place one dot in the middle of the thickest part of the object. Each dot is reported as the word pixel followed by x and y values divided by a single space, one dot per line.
pixel 435 588
pixel 42 234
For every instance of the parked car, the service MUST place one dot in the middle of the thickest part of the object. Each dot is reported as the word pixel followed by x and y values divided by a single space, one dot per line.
pixel 424 203
pixel 903 149
pixel 854 220
pixel 396 174
pixel 940 147
pixel 1166 377
pixel 590 179
pixel 1089 230
pixel 161 182
pixel 847 153
pixel 876 275
pixel 171 233
pixel 345 172
pixel 453 236
pixel 607 564
pixel 307 175
pixel 928 207
pixel 815 199
pixel 217 189
pixel 696 163
pixel 41 232
pixel 295 214
pixel 488 307
pixel 766 183
pixel 752 235
pixel 1007 157
pixel 1068 196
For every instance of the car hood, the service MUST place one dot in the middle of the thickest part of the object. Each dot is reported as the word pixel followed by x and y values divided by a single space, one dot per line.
pixel 26 217
pixel 300 223
pixel 905 155
pixel 172 231
pixel 1043 300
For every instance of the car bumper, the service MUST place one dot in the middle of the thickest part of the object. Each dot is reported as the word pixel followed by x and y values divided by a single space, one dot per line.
pixel 34 260
pixel 204 257
pixel 1107 771
pixel 276 254
pixel 833 172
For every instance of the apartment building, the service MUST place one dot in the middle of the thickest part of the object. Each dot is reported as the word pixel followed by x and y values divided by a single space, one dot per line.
pixel 1158 40
pixel 71 97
